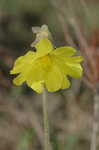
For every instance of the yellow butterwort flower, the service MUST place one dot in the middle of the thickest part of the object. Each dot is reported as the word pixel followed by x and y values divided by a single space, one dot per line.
pixel 47 67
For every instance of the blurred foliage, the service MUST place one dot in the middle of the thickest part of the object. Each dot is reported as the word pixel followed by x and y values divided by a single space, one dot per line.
pixel 25 140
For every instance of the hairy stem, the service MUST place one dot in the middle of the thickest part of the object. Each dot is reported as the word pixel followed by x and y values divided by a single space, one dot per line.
pixel 47 145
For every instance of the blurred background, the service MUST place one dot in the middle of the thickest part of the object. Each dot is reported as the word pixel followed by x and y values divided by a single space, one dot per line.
pixel 71 22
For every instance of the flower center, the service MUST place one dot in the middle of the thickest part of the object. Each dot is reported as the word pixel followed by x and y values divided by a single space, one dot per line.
pixel 45 61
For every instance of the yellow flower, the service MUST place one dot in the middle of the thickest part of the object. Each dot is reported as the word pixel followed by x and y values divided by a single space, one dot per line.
pixel 47 67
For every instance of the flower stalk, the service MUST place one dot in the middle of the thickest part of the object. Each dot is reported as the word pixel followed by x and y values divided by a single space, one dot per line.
pixel 47 145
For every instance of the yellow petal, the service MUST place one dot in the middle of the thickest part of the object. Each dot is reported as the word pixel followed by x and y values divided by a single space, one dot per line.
pixel 76 59
pixel 60 63
pixel 37 86
pixel 19 79
pixel 64 51
pixel 70 66
pixel 28 56
pixel 74 69
pixel 23 63
pixel 43 47
pixel 65 83
pixel 19 60
pixel 36 73
pixel 54 79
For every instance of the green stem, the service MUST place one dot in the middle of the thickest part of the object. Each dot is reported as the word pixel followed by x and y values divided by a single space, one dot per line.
pixel 47 145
